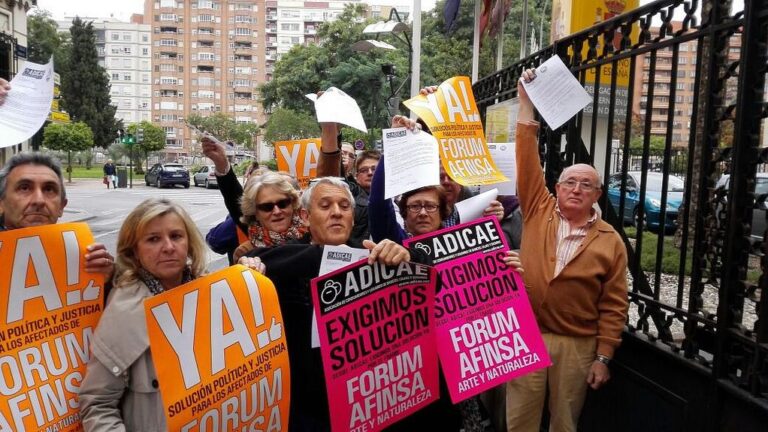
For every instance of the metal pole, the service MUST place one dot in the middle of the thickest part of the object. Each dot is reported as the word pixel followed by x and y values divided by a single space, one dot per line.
pixel 416 54
pixel 524 31
pixel 476 42
pixel 500 47
pixel 130 167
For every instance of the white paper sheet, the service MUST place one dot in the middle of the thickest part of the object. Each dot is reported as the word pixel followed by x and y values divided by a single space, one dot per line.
pixel 472 208
pixel 555 93
pixel 28 103
pixel 412 161
pixel 504 156
pixel 335 106
pixel 334 258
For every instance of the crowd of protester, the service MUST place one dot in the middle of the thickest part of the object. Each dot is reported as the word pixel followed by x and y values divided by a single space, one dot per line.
pixel 573 264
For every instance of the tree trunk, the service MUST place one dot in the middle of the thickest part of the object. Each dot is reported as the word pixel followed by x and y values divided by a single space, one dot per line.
pixel 69 166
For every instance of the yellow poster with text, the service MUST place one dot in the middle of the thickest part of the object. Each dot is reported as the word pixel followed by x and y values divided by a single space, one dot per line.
pixel 49 308
pixel 220 353
pixel 453 118
pixel 298 158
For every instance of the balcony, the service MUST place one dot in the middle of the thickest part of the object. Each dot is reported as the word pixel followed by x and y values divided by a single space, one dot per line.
pixel 272 17
pixel 245 46
pixel 205 69
pixel 310 31
pixel 271 57
pixel 271 29
pixel 243 58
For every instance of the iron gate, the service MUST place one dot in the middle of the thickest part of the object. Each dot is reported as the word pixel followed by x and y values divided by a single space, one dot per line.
pixel 679 97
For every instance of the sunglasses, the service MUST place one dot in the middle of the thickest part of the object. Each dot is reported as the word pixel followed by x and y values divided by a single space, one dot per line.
pixel 269 206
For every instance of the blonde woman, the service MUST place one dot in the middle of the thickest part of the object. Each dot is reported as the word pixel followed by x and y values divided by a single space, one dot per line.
pixel 158 249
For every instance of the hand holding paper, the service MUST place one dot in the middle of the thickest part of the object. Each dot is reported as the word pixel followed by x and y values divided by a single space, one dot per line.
pixel 555 93
pixel 335 106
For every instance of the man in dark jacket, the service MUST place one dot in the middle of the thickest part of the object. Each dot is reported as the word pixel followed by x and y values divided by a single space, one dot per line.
pixel 328 209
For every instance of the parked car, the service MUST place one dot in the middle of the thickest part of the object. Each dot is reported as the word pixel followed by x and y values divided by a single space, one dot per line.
pixel 652 208
pixel 205 176
pixel 167 174
pixel 758 213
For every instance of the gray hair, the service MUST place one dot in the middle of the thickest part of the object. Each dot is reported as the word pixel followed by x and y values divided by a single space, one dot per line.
pixel 306 197
pixel 35 158
pixel 562 177
pixel 255 184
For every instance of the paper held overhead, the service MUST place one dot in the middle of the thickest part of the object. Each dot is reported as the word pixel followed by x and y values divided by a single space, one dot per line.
pixel 555 93
pixel 28 103
pixel 335 106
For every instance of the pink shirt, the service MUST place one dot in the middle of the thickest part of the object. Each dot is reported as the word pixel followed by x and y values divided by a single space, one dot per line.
pixel 568 240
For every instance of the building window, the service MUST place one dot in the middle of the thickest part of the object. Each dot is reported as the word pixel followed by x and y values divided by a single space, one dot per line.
pixel 240 31
pixel 205 18
pixel 243 19
pixel 115 76
pixel 167 42
pixel 145 51
pixel 115 37
pixel 289 26
pixel 167 17
pixel 127 77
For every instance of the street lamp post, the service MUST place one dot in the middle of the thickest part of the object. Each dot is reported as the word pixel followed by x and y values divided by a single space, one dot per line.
pixel 398 29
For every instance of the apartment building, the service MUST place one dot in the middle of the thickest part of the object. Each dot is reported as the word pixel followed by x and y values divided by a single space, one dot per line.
pixel 13 51
pixel 125 51
pixel 207 58
pixel 290 23
pixel 684 87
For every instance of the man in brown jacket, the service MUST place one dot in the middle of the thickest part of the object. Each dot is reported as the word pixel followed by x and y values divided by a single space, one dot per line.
pixel 575 273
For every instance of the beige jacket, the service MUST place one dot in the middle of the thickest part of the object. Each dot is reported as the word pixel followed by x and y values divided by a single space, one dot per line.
pixel 120 389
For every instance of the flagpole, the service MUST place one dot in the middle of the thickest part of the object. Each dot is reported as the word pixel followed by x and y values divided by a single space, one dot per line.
pixel 476 42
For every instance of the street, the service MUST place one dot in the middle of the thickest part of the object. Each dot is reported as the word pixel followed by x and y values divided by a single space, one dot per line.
pixel 104 210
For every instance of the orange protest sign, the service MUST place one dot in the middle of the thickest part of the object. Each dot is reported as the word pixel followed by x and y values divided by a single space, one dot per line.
pixel 453 118
pixel 49 307
pixel 220 353
pixel 298 158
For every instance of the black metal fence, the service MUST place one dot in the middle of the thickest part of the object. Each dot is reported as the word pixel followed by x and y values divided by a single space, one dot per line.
pixel 681 98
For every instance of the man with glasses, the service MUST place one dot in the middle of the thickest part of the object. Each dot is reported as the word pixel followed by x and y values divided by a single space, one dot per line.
pixel 576 277
pixel 329 164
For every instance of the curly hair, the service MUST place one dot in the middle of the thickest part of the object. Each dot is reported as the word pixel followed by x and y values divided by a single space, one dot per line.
pixel 253 186
pixel 442 201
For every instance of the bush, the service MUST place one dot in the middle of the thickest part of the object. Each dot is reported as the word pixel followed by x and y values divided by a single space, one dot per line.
pixel 670 261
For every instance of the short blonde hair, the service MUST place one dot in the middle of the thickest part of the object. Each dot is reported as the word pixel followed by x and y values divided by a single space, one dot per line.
pixel 255 184
pixel 127 263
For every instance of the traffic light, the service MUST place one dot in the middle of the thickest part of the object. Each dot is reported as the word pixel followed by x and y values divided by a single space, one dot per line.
pixel 139 135
pixel 128 139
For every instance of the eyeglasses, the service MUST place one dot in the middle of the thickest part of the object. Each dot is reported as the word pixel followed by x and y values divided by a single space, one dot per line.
pixel 416 208
pixel 584 185
pixel 366 170
pixel 269 206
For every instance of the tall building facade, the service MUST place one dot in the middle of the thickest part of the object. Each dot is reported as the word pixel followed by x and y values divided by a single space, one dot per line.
pixel 684 95
pixel 208 57
pixel 13 51
pixel 290 23
pixel 125 51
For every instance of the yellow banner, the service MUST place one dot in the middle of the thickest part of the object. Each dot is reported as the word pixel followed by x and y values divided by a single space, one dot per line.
pixel 220 353
pixel 298 158
pixel 453 118
pixel 49 308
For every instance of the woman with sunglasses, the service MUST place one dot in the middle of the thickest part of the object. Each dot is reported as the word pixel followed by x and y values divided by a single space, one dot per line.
pixel 266 210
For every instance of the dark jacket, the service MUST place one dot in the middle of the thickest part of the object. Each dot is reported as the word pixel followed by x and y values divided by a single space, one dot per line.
pixel 109 169
pixel 291 267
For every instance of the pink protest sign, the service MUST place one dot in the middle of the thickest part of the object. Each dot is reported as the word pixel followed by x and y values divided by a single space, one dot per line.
pixel 486 331
pixel 377 340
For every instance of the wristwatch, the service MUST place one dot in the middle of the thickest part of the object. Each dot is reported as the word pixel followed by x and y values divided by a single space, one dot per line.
pixel 603 359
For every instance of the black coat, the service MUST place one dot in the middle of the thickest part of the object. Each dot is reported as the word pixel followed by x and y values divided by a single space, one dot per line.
pixel 291 267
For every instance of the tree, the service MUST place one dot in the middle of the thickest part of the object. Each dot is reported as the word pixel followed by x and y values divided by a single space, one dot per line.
pixel 225 128
pixel 45 40
pixel 68 137
pixel 308 69
pixel 85 86
pixel 285 124
pixel 154 140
